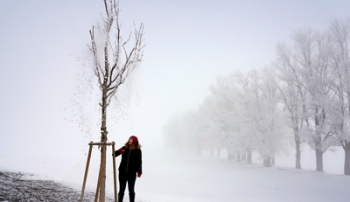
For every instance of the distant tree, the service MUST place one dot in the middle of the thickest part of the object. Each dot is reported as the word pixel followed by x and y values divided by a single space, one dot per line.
pixel 172 132
pixel 226 115
pixel 275 120
pixel 245 134
pixel 340 107
pixel 113 60
pixel 293 95
pixel 263 124
pixel 183 132
pixel 208 125
pixel 312 60
pixel 194 136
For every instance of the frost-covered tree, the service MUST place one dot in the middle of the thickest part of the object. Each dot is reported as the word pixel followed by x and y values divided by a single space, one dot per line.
pixel 275 118
pixel 292 95
pixel 209 126
pixel 113 60
pixel 187 131
pixel 245 134
pixel 307 74
pixel 192 131
pixel 264 119
pixel 226 117
pixel 173 132
pixel 340 107
pixel 311 53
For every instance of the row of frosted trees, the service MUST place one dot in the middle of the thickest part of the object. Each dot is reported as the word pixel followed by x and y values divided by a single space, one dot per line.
pixel 303 96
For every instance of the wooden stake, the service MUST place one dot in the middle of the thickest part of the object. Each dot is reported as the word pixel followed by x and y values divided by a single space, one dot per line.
pixel 114 173
pixel 98 186
pixel 99 176
pixel 86 173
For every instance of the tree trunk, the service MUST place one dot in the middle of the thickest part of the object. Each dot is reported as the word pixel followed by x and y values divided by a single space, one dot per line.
pixel 230 156
pixel 319 160
pixel 297 151
pixel 347 159
pixel 102 177
pixel 199 151
pixel 318 141
pixel 244 156
pixel 249 156
pixel 238 157
pixel 273 161
pixel 267 161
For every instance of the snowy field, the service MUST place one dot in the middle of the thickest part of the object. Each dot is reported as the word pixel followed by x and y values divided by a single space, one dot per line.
pixel 206 179
pixel 181 177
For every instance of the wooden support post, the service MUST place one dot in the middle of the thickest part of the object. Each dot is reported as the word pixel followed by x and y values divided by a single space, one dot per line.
pixel 99 175
pixel 114 173
pixel 98 186
pixel 86 173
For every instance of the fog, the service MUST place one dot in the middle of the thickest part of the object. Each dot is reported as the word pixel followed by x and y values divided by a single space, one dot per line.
pixel 45 130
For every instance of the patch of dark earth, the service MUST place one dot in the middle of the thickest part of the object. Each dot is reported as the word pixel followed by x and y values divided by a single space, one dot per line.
pixel 13 188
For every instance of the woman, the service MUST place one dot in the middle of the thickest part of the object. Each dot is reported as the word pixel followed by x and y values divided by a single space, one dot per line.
pixel 130 164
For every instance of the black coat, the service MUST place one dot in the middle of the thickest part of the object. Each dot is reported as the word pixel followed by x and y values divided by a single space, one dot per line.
pixel 131 161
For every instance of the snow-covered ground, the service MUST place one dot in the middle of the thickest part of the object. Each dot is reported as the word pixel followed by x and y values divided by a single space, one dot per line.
pixel 205 179
pixel 183 177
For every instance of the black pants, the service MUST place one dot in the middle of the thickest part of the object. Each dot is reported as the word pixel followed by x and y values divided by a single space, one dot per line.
pixel 129 178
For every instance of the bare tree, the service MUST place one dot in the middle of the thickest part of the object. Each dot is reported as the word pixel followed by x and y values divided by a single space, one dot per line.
pixel 113 60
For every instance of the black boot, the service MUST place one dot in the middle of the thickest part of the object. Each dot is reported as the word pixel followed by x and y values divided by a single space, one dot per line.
pixel 120 197
pixel 132 197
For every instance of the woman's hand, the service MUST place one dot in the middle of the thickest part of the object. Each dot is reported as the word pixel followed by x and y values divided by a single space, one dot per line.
pixel 121 151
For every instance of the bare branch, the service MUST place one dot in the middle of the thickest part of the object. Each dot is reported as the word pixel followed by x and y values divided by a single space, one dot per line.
pixel 93 48
pixel 106 7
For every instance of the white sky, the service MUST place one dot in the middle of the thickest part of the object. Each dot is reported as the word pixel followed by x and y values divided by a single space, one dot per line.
pixel 189 44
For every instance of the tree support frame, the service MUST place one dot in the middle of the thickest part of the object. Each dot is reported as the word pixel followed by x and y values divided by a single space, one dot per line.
pixel 91 144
